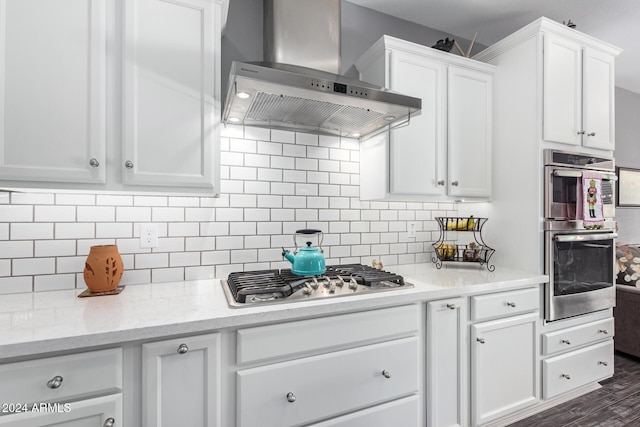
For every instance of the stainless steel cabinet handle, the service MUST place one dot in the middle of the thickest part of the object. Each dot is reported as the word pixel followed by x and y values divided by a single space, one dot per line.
pixel 182 349
pixel 386 374
pixel 128 164
pixel 110 422
pixel 55 382
pixel 480 340
pixel 581 132
pixel 93 162
pixel 567 342
pixel 603 331
pixel 451 306
pixel 603 363
pixel 441 182
pixel 591 134
pixel 511 304
pixel 455 183
pixel 567 376
pixel 291 397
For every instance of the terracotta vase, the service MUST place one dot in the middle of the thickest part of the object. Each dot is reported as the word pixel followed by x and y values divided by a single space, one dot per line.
pixel 103 268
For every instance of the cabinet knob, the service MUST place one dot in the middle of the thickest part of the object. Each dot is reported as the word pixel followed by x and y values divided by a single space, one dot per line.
pixel 441 182
pixel 566 376
pixel 581 132
pixel 603 363
pixel 182 349
pixel 567 342
pixel 291 397
pixel 480 340
pixel 55 382
pixel 455 183
pixel 591 134
pixel 603 331
pixel 511 304
pixel 386 374
pixel 110 422
pixel 128 164
pixel 451 306
pixel 93 162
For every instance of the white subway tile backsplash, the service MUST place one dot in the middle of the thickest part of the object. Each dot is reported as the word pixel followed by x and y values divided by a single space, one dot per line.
pixel 32 199
pixel 273 183
pixel 54 282
pixel 177 229
pixel 16 213
pixel 29 266
pixel 14 285
pixel 48 248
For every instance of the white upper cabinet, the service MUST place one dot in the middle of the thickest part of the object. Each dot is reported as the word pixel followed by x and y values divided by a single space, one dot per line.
pixel 444 153
pixel 171 77
pixel 578 98
pixel 101 95
pixel 52 91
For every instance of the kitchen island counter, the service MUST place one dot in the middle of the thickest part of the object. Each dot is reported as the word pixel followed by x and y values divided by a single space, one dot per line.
pixel 45 322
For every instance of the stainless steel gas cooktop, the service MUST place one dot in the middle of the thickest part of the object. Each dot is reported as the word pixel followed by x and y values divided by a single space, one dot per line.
pixel 248 288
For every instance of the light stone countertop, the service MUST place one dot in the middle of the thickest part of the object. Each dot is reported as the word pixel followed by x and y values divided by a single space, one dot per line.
pixel 42 322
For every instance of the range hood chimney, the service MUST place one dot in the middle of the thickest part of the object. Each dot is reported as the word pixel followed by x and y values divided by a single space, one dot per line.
pixel 299 87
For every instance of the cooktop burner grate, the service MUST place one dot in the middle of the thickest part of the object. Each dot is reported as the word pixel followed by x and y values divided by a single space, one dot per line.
pixel 279 284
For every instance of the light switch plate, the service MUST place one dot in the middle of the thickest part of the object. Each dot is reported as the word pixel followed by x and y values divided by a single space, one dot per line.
pixel 411 229
pixel 149 235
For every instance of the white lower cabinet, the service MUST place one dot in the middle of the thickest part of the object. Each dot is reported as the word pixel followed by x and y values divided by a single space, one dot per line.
pixel 337 370
pixel 447 363
pixel 181 382
pixel 103 411
pixel 82 389
pixel 503 367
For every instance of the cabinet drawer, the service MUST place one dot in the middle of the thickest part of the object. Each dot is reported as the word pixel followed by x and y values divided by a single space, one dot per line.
pixel 401 412
pixel 268 342
pixel 577 336
pixel 60 378
pixel 484 307
pixel 327 385
pixel 572 370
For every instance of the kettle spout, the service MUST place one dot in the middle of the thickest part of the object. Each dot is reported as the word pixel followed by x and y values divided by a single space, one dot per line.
pixel 287 255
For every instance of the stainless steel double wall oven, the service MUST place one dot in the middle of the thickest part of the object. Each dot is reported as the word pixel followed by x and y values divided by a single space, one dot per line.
pixel 579 261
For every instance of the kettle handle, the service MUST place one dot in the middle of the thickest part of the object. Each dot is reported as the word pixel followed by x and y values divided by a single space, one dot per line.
pixel 309 231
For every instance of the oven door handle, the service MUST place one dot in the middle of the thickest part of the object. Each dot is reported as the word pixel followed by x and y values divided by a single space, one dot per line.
pixel 584 237
pixel 570 173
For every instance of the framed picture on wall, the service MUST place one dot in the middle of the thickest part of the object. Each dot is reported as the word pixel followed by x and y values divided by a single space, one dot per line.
pixel 628 187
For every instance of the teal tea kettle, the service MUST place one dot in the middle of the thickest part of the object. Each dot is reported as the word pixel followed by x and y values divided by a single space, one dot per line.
pixel 308 260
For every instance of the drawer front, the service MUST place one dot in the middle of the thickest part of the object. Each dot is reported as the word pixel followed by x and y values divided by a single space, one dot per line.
pixel 572 370
pixel 319 387
pixel 577 336
pixel 401 412
pixel 60 378
pixel 272 341
pixel 491 306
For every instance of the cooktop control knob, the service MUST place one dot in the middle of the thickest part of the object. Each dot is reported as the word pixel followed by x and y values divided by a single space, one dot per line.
pixel 353 284
pixel 307 291
pixel 332 289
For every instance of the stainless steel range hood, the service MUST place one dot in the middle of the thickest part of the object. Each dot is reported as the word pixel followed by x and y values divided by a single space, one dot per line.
pixel 298 86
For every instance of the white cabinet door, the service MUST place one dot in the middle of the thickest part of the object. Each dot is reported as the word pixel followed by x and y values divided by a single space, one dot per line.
pixel 417 153
pixel 503 367
pixel 447 369
pixel 562 90
pixel 469 133
pixel 598 81
pixel 171 76
pixel 181 382
pixel 52 90
pixel 103 411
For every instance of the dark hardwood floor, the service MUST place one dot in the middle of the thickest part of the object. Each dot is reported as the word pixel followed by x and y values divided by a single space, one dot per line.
pixel 616 404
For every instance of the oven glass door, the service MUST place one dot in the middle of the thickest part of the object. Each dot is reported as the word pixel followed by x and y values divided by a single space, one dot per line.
pixel 582 262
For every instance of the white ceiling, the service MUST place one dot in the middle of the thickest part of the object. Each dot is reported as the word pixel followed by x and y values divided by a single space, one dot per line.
pixel 616 22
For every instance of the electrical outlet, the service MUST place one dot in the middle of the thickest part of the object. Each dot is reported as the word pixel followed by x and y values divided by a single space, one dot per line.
pixel 411 229
pixel 149 235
